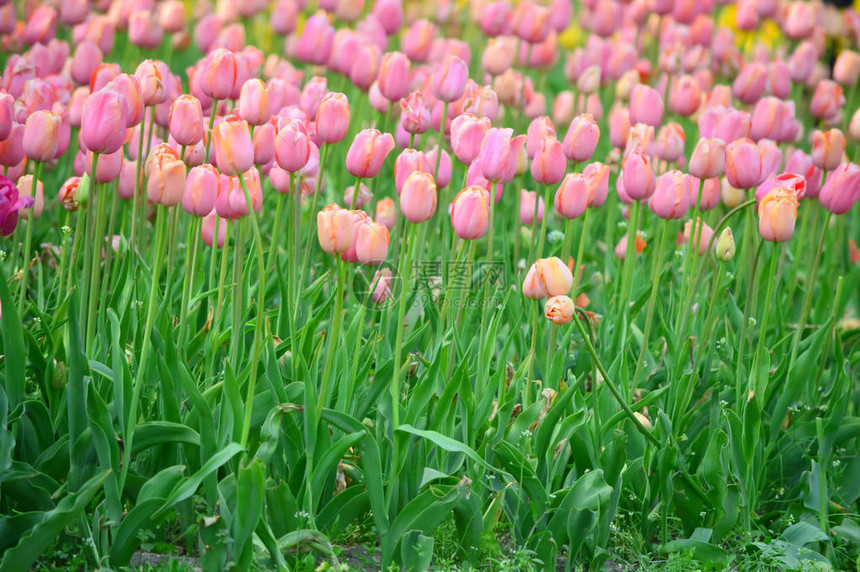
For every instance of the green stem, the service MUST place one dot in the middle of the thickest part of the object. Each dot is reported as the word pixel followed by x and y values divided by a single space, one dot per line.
pixel 98 246
pixel 28 240
pixel 138 181
pixel 652 299
pixel 238 331
pixel 131 422
pixel 577 262
pixel 807 300
pixel 542 238
pixel 261 318
pixel 766 311
pixel 193 242
pixel 334 336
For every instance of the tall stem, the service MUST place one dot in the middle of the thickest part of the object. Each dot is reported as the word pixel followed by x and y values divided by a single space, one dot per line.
pixel 766 309
pixel 334 336
pixel 807 300
pixel 160 238
pixel 652 299
pixel 98 246
pixel 261 318
pixel 28 240
pixel 577 262
pixel 542 238
pixel 193 243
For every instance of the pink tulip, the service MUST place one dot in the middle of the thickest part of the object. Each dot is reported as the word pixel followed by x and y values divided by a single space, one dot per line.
pixel 777 215
pixel 292 145
pixel 234 149
pixel 671 195
pixel 581 138
pixel 332 119
pixel 394 76
pixel 638 176
pixel 201 190
pixel 499 154
pixel 418 197
pixel 827 148
pixel 842 189
pixel 646 106
pixel 549 162
pixel 470 213
pixel 449 79
pixel 367 153
pixel 744 164
pixel 708 159
pixel 103 112
pixel 527 207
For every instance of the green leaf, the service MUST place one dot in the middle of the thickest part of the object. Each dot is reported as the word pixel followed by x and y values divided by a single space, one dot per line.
pixel 43 535
pixel 14 357
pixel 249 508
pixel 446 443
pixel 154 433
pixel 188 486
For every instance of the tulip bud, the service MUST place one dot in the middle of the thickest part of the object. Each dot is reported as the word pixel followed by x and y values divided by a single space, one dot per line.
pixel 467 134
pixel 499 154
pixel 207 230
pixel 394 76
pixel 646 106
pixel 152 82
pixel 109 167
pixel 549 162
pixel 705 233
pixel 669 145
pixel 827 148
pixel 186 120
pixel 708 159
pixel 254 104
pixel 559 309
pixel 371 243
pixel 201 190
pixel 332 118
pixel 42 136
pixel 671 196
pixel 103 112
pixel 842 189
pixel 571 198
pixel 725 246
pixel 638 176
pixel 165 176
pixel 386 212
pixel 219 74
pixel 847 67
pixel 777 214
pixel 743 164
pixel 547 277
pixel 470 213
pixel 449 79
pixel 37 196
pixel 581 139
pixel 418 197
pixel 66 194
pixel 527 207
pixel 364 197
pixel 827 101
pixel 292 145
pixel 368 152
pixel 414 115
pixel 234 149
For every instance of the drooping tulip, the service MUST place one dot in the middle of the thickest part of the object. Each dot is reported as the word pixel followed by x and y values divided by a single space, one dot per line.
pixel 547 277
pixel 559 309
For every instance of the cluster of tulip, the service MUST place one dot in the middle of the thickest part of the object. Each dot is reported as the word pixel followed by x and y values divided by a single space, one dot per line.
pixel 688 114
